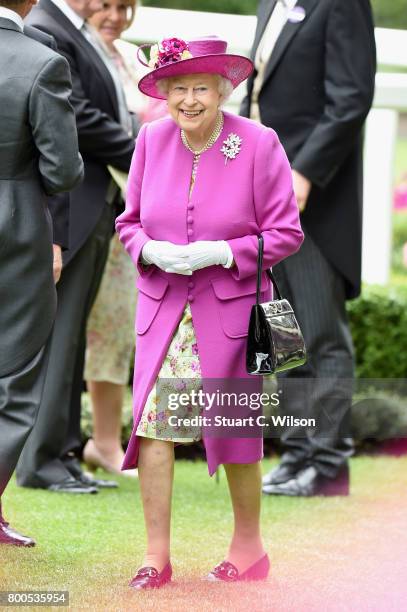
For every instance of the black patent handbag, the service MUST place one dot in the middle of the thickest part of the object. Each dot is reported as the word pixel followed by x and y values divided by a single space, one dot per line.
pixel 275 342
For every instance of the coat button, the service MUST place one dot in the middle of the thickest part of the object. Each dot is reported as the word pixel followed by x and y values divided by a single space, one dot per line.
pixel 190 232
pixel 190 219
pixel 190 297
pixel 190 206
pixel 191 285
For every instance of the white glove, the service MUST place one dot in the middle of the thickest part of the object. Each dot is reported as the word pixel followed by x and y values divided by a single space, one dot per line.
pixel 204 253
pixel 166 256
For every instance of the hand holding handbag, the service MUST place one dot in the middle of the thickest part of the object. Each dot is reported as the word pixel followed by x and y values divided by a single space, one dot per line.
pixel 275 342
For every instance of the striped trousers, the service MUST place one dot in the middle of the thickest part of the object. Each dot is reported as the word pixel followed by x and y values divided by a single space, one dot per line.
pixel 322 388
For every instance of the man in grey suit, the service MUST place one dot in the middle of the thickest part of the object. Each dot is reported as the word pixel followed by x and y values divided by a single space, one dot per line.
pixel 38 158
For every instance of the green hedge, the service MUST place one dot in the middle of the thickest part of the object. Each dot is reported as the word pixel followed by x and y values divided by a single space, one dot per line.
pixel 379 329
pixel 388 13
pixel 379 415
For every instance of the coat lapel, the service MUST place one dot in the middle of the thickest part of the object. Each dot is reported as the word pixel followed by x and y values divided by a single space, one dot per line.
pixel 288 33
pixel 265 11
pixel 87 48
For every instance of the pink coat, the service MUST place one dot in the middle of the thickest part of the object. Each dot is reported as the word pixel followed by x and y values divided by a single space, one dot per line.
pixel 251 194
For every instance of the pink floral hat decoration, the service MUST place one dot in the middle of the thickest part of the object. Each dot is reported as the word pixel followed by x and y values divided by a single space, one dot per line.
pixel 175 57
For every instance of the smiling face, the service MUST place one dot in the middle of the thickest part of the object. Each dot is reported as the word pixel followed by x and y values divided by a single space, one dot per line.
pixel 114 17
pixel 193 102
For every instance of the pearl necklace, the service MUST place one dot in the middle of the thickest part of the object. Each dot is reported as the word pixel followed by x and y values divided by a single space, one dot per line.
pixel 212 139
pixel 197 154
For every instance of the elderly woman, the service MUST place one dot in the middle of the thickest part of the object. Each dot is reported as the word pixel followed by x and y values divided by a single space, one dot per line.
pixel 202 186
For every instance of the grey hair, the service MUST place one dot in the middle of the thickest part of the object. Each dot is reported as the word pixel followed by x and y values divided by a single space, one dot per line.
pixel 225 87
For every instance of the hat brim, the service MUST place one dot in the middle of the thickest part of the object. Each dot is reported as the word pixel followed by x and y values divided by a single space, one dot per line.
pixel 236 68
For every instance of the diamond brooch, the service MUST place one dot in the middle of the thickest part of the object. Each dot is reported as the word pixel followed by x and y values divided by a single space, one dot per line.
pixel 231 146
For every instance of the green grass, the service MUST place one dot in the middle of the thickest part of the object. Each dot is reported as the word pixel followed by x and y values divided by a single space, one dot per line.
pixel 92 545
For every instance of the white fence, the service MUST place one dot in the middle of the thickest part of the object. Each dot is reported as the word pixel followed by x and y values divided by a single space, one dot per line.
pixel 153 24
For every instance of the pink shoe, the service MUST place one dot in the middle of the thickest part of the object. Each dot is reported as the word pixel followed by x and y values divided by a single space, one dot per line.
pixel 10 536
pixel 227 572
pixel 150 578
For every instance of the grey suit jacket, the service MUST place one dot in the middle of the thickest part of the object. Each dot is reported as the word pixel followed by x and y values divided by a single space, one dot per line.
pixel 58 205
pixel 38 157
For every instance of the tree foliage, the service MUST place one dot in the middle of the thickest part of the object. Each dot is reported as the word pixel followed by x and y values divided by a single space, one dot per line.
pixel 390 13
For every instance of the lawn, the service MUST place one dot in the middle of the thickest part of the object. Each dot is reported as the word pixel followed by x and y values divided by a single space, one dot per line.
pixel 327 553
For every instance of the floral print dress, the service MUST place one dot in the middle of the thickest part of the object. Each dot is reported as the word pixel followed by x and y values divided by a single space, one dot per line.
pixel 182 364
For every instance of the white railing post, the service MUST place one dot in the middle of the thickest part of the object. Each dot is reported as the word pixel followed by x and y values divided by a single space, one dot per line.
pixel 380 144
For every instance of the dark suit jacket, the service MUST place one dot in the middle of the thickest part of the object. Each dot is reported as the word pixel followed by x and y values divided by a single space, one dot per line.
pixel 102 140
pixel 38 158
pixel 317 91
pixel 58 205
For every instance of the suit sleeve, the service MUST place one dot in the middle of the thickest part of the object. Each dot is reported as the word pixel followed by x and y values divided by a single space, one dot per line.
pixel 58 206
pixel 128 224
pixel 53 126
pixel 100 136
pixel 350 66
pixel 276 211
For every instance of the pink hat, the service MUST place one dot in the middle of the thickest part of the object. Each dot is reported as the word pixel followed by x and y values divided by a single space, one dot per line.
pixel 175 57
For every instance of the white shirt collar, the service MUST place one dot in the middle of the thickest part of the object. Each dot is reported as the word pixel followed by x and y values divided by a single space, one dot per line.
pixel 13 16
pixel 289 4
pixel 73 17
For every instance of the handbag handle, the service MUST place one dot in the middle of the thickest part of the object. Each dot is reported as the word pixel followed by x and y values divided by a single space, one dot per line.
pixel 268 271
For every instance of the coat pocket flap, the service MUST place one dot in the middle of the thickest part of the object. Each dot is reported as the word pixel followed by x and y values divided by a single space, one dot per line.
pixel 154 286
pixel 227 288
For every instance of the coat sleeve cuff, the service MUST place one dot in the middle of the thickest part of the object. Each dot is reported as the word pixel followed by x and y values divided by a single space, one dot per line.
pixel 239 248
pixel 134 247
pixel 230 259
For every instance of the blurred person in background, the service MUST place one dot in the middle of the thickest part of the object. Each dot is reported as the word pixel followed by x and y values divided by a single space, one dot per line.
pixel 106 132
pixel 110 332
pixel 313 83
